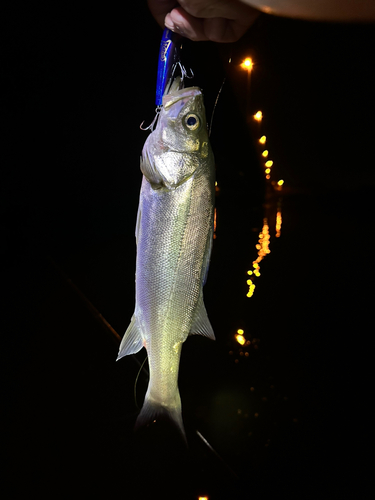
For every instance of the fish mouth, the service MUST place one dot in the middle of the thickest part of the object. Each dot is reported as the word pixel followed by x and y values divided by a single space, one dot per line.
pixel 176 93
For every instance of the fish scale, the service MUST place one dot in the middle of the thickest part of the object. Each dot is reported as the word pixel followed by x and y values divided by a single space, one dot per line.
pixel 174 239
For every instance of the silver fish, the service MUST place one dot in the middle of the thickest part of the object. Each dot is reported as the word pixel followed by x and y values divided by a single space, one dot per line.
pixel 174 238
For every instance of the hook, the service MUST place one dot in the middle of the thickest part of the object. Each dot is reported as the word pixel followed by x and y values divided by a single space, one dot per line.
pixel 152 124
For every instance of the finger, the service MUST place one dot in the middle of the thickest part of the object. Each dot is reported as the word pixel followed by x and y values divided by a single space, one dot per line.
pixel 214 29
pixel 226 30
pixel 179 21
pixel 159 9
pixel 235 10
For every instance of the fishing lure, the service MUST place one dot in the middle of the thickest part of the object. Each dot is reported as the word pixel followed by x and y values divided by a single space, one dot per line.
pixel 169 57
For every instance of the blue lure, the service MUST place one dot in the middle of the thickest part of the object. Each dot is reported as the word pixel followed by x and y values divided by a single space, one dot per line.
pixel 168 58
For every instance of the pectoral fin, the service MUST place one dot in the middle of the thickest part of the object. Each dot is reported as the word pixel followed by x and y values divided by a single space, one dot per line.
pixel 131 341
pixel 201 324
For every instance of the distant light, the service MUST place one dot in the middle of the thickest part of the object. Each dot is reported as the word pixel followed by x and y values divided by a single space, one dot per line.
pixel 247 64
pixel 202 498
pixel 240 339
pixel 268 176
pixel 258 116
pixel 263 249
pixel 262 140
pixel 250 293
pixel 280 182
pixel 269 163
pixel 268 170
pixel 265 153
pixel 279 221
pixel 240 331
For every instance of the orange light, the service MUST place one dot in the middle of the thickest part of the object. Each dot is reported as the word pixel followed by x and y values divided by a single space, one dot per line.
pixel 247 64
pixel 263 249
pixel 262 140
pixel 240 339
pixel 258 116
pixel 279 221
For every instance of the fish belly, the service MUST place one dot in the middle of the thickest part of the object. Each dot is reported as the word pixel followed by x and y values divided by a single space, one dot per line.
pixel 172 245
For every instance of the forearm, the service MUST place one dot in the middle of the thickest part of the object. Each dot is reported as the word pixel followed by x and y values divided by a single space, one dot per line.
pixel 319 10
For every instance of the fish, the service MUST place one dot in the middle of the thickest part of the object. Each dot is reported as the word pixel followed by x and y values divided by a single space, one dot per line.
pixel 174 235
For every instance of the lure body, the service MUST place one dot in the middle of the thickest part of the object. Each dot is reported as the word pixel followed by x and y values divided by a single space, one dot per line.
pixel 168 57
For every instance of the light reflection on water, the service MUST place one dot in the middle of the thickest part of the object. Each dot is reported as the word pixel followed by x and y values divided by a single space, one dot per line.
pixel 264 241
pixel 247 408
pixel 263 249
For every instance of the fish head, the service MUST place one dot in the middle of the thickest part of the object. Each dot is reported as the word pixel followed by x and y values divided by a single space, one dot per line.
pixel 179 144
pixel 182 122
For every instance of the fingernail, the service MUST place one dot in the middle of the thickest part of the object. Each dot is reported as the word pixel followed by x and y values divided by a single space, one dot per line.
pixel 172 26
pixel 169 23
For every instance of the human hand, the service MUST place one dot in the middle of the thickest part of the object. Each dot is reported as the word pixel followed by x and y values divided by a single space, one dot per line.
pixel 201 20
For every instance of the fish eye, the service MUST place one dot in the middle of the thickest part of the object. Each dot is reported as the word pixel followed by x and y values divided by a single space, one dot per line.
pixel 192 121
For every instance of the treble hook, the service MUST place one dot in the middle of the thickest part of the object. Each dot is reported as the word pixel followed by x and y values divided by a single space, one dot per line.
pixel 152 124
pixel 184 73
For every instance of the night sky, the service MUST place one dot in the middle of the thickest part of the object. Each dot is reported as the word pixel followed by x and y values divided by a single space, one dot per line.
pixel 76 84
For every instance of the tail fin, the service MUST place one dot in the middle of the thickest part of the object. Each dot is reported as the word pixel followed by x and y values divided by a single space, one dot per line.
pixel 152 410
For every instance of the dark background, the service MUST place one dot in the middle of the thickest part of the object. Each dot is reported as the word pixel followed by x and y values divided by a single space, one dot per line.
pixel 77 82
